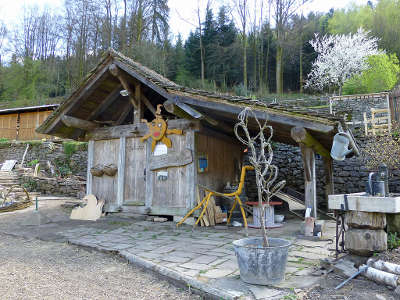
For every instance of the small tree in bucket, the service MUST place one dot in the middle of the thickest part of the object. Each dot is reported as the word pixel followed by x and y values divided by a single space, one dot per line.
pixel 266 172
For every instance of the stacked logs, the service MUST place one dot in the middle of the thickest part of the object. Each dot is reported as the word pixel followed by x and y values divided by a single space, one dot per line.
pixel 365 234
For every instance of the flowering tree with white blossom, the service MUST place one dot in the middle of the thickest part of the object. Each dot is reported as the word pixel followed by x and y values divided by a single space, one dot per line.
pixel 339 58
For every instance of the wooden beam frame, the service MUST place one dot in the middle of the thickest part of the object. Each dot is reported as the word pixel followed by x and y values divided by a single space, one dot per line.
pixel 111 97
pixel 301 135
pixel 78 123
pixel 114 71
pixel 136 97
pixel 125 112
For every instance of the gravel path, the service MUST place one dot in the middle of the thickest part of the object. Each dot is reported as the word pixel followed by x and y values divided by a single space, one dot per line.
pixel 34 269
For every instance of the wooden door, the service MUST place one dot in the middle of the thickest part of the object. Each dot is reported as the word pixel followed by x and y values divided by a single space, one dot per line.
pixel 135 173
pixel 170 190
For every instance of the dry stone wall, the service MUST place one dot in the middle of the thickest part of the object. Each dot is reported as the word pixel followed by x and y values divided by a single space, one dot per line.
pixel 67 156
pixel 350 175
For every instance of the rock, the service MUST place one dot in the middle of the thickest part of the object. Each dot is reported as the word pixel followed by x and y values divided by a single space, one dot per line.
pixel 397 291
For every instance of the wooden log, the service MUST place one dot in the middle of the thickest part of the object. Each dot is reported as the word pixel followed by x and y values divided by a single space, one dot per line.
pixel 365 242
pixel 301 135
pixel 112 96
pixel 381 277
pixel 136 130
pixel 78 123
pixel 365 220
pixel 384 266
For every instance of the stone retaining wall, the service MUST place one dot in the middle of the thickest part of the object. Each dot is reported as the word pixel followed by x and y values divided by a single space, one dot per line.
pixel 54 186
pixel 67 156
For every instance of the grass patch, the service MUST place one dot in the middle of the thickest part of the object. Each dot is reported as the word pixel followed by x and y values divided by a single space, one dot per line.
pixel 119 223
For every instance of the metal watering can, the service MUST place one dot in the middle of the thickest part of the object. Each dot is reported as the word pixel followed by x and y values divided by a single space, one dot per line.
pixel 340 146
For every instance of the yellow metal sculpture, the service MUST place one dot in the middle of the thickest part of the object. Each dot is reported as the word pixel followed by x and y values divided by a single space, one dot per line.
pixel 158 130
pixel 229 195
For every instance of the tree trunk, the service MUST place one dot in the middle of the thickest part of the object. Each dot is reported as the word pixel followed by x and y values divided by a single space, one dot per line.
pixel 301 70
pixel 244 61
pixel 279 69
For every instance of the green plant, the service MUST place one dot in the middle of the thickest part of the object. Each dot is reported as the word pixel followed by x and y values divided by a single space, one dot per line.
pixel 30 185
pixel 71 147
pixel 33 163
pixel 393 240
pixel 4 141
pixel 290 297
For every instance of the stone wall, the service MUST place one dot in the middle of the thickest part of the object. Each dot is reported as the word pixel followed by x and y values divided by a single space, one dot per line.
pixel 353 110
pixel 54 186
pixel 66 156
pixel 350 175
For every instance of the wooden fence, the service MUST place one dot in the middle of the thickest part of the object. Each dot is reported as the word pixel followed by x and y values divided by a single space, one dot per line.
pixel 394 104
pixel 379 123
pixel 22 126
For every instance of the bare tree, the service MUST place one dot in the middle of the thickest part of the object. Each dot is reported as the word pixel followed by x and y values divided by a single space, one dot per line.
pixel 242 11
pixel 266 172
pixel 284 10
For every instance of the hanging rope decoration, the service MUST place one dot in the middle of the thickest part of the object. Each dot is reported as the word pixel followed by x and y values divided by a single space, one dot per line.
pixel 158 129
pixel 266 172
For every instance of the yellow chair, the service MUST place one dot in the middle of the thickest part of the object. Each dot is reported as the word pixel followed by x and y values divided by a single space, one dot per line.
pixel 212 193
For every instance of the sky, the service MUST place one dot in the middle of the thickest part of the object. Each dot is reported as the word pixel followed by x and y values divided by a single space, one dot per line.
pixel 182 12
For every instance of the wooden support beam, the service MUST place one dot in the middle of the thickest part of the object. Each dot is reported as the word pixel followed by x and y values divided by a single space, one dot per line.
pixel 146 101
pixel 125 111
pixel 310 181
pixel 137 130
pixel 114 71
pixel 183 110
pixel 112 96
pixel 329 185
pixel 78 123
pixel 138 113
pixel 301 135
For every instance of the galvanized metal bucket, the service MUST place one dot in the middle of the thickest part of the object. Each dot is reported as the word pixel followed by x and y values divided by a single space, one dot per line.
pixel 259 265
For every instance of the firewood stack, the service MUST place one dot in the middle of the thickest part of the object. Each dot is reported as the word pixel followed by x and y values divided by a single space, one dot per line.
pixel 213 214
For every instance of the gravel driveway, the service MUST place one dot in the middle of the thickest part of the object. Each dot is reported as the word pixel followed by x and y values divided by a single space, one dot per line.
pixel 34 269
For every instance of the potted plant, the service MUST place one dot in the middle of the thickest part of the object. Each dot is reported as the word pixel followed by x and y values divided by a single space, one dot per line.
pixel 261 260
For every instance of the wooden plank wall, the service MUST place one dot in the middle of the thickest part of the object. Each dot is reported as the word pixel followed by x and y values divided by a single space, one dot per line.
pixel 135 164
pixel 11 129
pixel 8 126
pixel 29 121
pixel 106 187
pixel 222 157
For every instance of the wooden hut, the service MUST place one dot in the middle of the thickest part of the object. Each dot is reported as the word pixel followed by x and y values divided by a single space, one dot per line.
pixel 20 123
pixel 114 109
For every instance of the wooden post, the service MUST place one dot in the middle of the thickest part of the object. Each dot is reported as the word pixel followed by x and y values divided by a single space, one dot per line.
pixel 149 177
pixel 310 186
pixel 121 171
pixel 89 181
pixel 138 113
pixel 329 185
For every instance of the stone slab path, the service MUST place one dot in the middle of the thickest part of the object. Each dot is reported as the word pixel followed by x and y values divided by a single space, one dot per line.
pixel 202 259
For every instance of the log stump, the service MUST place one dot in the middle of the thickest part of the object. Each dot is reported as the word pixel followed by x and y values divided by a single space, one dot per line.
pixel 365 234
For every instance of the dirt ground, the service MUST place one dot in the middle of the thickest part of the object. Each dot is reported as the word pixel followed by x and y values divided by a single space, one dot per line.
pixel 34 269
pixel 359 288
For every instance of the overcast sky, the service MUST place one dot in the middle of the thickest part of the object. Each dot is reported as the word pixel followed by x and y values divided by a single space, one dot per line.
pixel 182 12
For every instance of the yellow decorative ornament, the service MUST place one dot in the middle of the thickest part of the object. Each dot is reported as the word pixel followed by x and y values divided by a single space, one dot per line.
pixel 158 130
